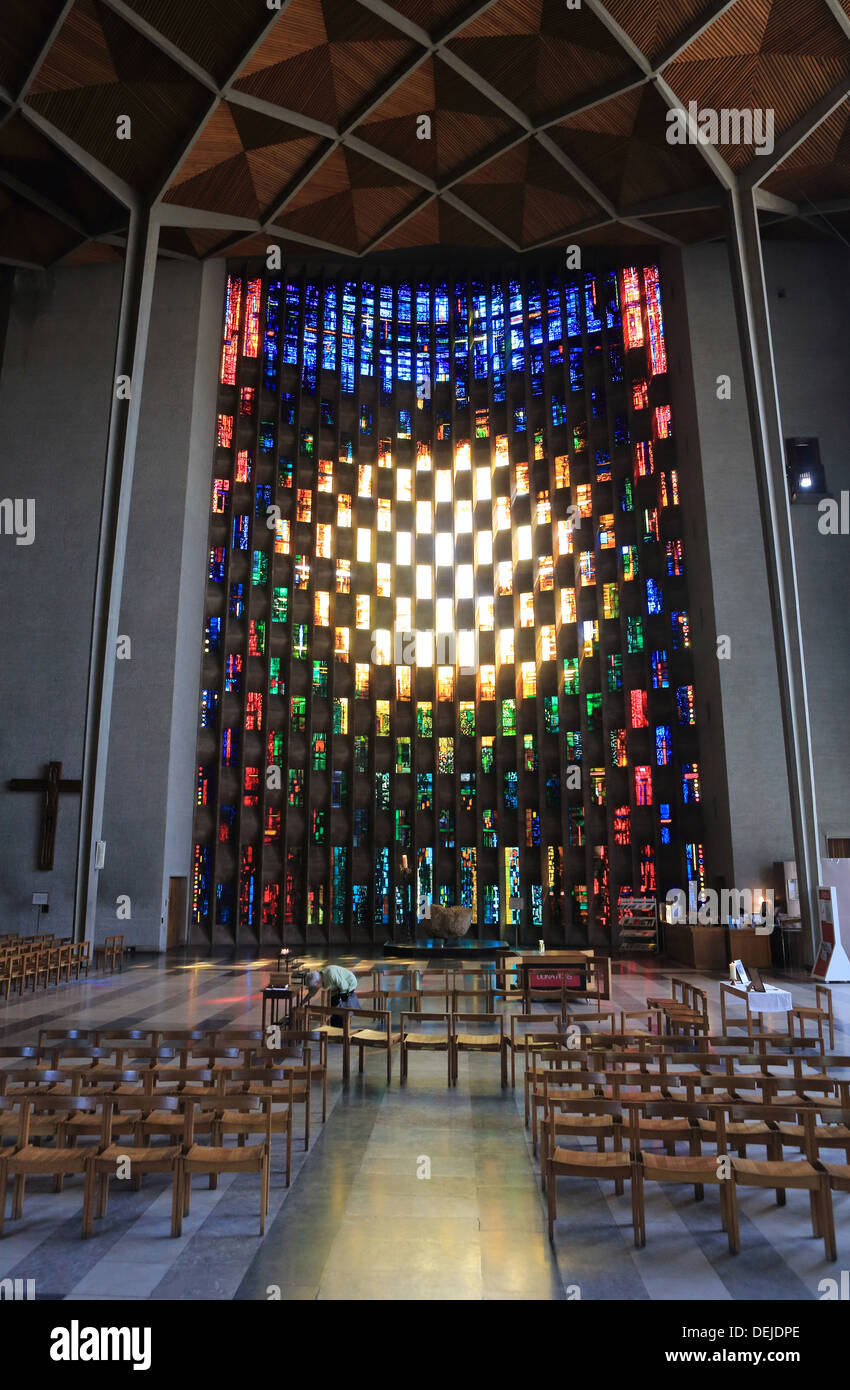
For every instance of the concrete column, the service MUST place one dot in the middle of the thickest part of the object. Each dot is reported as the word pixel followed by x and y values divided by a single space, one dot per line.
pixel 769 450
pixel 130 350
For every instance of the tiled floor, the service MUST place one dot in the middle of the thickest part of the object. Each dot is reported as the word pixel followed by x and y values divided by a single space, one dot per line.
pixel 360 1222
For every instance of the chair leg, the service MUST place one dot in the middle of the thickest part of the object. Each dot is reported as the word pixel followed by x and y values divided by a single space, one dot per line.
pixel 88 1200
pixel 18 1198
pixel 3 1183
pixel 389 1065
pixel 263 1178
pixel 827 1218
pixel 732 1215
pixel 815 1212
pixel 289 1149
pixel 177 1199
pixel 552 1200
pixel 638 1221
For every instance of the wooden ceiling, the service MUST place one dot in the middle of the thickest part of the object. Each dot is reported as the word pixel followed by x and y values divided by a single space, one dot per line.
pixel 354 127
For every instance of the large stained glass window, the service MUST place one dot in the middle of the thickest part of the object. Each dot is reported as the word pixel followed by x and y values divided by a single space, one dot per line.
pixel 447 607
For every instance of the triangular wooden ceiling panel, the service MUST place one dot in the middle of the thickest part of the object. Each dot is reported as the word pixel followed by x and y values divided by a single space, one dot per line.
pixel 464 122
pixel 100 69
pixel 23 32
pixel 261 155
pixel 622 146
pixel 215 34
pixel 656 25
pixel 541 55
pixel 324 58
pixel 818 169
pixel 771 55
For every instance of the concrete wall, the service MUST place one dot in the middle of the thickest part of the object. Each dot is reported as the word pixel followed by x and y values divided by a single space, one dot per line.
pixel 809 290
pixel 812 358
pixel 54 404
pixel 148 810
pixel 54 401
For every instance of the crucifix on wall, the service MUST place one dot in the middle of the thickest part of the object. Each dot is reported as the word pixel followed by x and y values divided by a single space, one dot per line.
pixel 50 788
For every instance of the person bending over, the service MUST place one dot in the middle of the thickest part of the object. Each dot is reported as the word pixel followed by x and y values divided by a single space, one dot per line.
pixel 341 984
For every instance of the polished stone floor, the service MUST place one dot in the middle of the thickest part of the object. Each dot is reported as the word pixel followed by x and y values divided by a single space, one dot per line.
pixel 359 1222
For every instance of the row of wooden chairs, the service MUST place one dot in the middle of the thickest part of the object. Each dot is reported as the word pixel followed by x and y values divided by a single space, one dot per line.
pixel 408 985
pixel 731 1100
pixel 674 1076
pixel 229 1110
pixel 39 966
pixel 195 1087
pixel 685 1010
pixel 597 1053
pixel 110 954
pixel 451 1032
pixel 172 1058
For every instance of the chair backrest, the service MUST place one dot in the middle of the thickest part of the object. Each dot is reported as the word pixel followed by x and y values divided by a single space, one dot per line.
pixel 47 1037
pixel 418 1016
pixel 125 1035
pixel 232 1102
pixel 141 1105
pixel 16 1052
pixel 483 1018
pixel 38 1078
pixel 78 1051
pixel 181 1076
pixel 110 1076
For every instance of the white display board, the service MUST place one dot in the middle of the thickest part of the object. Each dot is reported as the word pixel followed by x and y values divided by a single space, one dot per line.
pixel 831 961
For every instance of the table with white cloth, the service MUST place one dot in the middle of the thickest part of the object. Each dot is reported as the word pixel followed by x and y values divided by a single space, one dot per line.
pixel 771 1000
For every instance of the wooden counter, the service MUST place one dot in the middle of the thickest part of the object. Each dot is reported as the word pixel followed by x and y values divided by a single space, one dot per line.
pixel 703 948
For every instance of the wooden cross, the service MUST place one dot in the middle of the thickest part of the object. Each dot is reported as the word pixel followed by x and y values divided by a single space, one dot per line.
pixel 50 787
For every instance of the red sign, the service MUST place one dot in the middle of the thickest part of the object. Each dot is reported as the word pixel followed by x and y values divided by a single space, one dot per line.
pixel 827 932
pixel 553 979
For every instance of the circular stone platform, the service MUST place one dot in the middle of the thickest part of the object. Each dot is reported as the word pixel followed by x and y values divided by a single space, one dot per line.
pixel 463 947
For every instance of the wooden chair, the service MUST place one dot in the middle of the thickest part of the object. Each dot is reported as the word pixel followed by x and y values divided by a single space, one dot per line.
pixel 295 1058
pixel 384 1036
pixel 80 958
pixel 491 1041
pixel 615 1166
pixel 693 1169
pixel 481 986
pixel 652 1017
pixel 421 1040
pixel 685 1011
pixel 29 1084
pixel 406 990
pixel 215 1159
pixel 191 1084
pixel 807 1174
pixel 298 1073
pixel 820 1013
pixel 434 984
pixel 109 953
pixel 317 1017
pixel 142 1158
pixel 31 1160
pixel 585 1123
pixel 269 1083
pixel 522 1025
